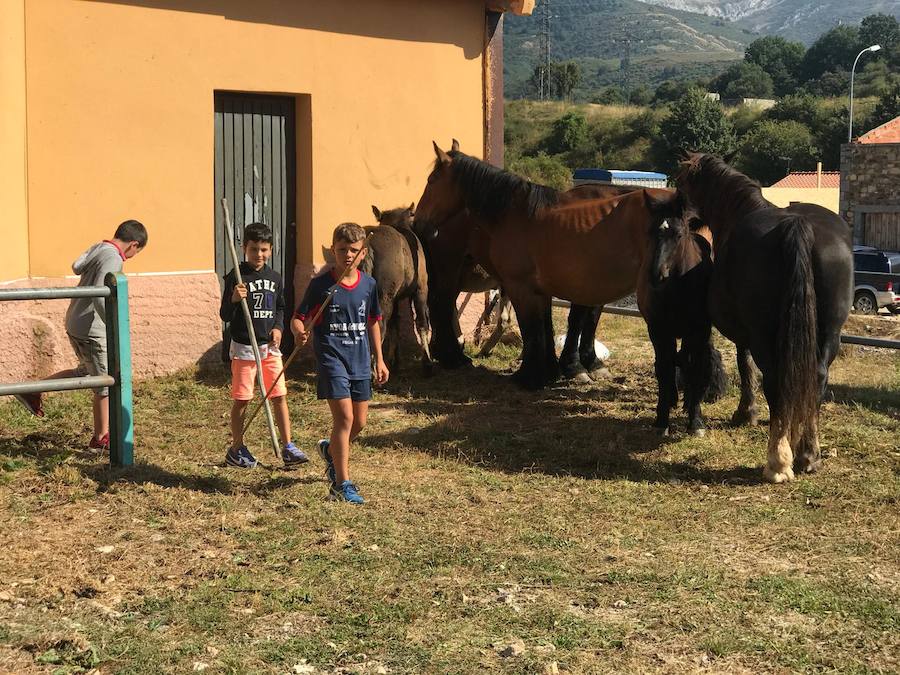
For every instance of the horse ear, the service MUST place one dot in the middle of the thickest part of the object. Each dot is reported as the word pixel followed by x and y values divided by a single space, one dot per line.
pixel 454 146
pixel 376 212
pixel 654 204
pixel 328 255
pixel 730 156
pixel 412 207
pixel 442 156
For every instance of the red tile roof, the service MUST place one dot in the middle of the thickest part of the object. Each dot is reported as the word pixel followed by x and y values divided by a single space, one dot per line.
pixel 889 132
pixel 807 179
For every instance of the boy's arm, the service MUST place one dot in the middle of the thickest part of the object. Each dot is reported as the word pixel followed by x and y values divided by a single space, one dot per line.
pixel 107 264
pixel 381 369
pixel 227 308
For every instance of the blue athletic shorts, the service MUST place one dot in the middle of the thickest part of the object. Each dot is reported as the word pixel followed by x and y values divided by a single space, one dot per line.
pixel 335 387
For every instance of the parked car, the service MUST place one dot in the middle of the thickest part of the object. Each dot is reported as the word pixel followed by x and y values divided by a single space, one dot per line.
pixel 876 280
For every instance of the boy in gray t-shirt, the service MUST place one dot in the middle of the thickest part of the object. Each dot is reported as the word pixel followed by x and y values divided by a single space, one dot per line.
pixel 85 323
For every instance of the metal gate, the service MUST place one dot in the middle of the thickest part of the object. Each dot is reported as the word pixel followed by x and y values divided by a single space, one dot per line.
pixel 255 170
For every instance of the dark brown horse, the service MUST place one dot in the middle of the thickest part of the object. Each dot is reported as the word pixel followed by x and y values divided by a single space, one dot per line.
pixel 397 262
pixel 676 272
pixel 458 260
pixel 543 243
pixel 781 289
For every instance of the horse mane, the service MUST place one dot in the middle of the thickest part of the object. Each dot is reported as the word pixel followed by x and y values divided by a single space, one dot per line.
pixel 724 187
pixel 489 191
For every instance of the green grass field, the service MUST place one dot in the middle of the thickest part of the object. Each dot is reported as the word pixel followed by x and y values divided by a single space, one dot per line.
pixel 553 526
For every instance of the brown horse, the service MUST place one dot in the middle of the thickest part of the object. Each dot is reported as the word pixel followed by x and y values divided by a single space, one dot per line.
pixel 781 289
pixel 543 243
pixel 676 272
pixel 458 260
pixel 396 261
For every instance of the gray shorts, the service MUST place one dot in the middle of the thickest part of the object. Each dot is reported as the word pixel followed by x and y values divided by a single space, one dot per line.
pixel 92 359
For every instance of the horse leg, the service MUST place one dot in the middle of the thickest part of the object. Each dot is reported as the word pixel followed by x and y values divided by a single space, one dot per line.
pixel 388 336
pixel 808 458
pixel 532 311
pixel 696 371
pixel 445 346
pixel 746 412
pixel 780 457
pixel 569 361
pixel 587 350
pixel 423 328
pixel 664 368
pixel 499 328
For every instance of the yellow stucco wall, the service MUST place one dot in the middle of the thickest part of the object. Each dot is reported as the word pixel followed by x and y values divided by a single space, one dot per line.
pixel 120 112
pixel 13 188
pixel 827 197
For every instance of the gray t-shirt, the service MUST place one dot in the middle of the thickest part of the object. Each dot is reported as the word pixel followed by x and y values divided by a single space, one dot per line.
pixel 85 316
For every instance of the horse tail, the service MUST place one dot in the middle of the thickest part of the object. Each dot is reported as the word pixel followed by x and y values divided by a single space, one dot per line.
pixel 796 346
pixel 718 379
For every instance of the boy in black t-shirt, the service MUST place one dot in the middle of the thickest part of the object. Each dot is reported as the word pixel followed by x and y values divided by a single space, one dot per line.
pixel 341 337
pixel 264 291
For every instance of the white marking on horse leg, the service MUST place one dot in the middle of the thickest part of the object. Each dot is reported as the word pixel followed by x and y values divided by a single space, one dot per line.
pixel 779 467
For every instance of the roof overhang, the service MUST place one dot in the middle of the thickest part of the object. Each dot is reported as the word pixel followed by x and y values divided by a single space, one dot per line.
pixel 514 6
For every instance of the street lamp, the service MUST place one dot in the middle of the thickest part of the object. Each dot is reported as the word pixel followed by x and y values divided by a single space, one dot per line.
pixel 873 48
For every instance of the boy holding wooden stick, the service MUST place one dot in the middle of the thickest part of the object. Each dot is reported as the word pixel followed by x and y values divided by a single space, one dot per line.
pixel 263 289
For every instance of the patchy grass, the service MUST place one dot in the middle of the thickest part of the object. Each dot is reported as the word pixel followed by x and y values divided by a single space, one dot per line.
pixel 495 515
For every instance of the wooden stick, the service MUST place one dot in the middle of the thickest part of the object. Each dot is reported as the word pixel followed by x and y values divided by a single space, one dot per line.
pixel 249 320
pixel 308 325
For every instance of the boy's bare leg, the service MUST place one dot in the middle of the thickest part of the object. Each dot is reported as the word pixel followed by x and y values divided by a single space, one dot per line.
pixel 360 413
pixel 101 416
pixel 339 444
pixel 279 404
pixel 238 408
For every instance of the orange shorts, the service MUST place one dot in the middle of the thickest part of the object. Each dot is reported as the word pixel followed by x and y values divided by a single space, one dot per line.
pixel 243 378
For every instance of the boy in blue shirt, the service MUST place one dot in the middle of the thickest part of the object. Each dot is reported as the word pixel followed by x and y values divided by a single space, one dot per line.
pixel 341 337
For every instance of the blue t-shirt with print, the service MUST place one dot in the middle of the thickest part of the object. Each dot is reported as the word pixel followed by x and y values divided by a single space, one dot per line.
pixel 340 336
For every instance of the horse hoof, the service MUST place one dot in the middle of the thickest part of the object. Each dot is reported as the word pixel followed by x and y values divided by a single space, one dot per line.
pixel 601 373
pixel 744 417
pixel 582 378
pixel 662 431
pixel 783 476
pixel 807 465
pixel 699 432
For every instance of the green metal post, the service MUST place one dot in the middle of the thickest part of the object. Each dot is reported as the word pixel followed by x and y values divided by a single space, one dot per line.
pixel 118 339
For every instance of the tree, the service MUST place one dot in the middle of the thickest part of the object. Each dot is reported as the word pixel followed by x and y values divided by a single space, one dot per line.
pixel 879 29
pixel 771 147
pixel 833 51
pixel 542 169
pixel 803 108
pixel 640 95
pixel 566 76
pixel 610 96
pixel 743 80
pixel 779 58
pixel 831 83
pixel 887 108
pixel 694 123
pixel 569 132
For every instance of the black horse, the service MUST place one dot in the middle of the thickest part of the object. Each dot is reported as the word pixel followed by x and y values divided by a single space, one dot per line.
pixel 781 289
pixel 671 293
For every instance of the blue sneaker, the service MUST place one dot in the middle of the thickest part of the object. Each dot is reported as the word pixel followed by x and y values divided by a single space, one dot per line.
pixel 240 458
pixel 292 455
pixel 322 447
pixel 345 492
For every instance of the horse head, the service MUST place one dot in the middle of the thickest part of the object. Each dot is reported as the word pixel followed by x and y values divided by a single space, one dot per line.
pixel 401 217
pixel 442 198
pixel 672 250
